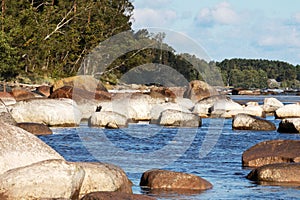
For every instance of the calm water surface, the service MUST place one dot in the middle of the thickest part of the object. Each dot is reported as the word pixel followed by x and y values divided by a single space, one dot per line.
pixel 213 152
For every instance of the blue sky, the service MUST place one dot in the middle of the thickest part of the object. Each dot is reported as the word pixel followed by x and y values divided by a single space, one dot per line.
pixel 260 29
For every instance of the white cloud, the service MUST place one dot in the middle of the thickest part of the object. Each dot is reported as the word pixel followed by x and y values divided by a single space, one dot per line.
pixel 152 3
pixel 222 13
pixel 152 17
pixel 296 18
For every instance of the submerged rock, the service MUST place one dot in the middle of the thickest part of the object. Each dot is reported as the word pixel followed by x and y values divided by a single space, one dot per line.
pixel 249 122
pixel 273 151
pixel 170 180
pixel 280 173
pixel 115 196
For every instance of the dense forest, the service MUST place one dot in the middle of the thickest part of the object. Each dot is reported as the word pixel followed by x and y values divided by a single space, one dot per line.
pixel 45 40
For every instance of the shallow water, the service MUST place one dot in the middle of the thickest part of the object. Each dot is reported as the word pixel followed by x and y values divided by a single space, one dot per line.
pixel 213 152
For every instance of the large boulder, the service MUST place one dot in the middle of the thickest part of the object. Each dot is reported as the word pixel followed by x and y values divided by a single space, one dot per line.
pixel 224 108
pixel 159 108
pixel 249 122
pixel 162 93
pixel 203 107
pixel 279 173
pixel 273 151
pixel 164 179
pixel 52 112
pixel 115 196
pixel 35 128
pixel 104 177
pixel 199 90
pixel 79 95
pixel 51 179
pixel 288 111
pixel 7 118
pixel 178 118
pixel 103 118
pixel 19 148
pixel 289 125
pixel 271 105
pixel 84 82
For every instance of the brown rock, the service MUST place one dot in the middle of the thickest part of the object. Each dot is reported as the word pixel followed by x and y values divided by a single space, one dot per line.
pixel 162 92
pixel 199 90
pixel 35 128
pixel 22 94
pixel 7 98
pixel 45 90
pixel 84 82
pixel 273 151
pixel 249 122
pixel 115 196
pixel 279 173
pixel 163 179
pixel 79 94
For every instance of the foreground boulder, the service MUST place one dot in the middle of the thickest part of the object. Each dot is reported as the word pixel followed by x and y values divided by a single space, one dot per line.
pixel 271 105
pixel 103 177
pixel 19 148
pixel 199 90
pixel 46 179
pixel 115 196
pixel 104 118
pixel 178 118
pixel 289 125
pixel 249 122
pixel 279 173
pixel 52 112
pixel 164 179
pixel 288 111
pixel 273 151
pixel 35 128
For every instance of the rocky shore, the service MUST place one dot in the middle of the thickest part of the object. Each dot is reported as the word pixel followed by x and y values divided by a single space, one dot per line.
pixel 27 162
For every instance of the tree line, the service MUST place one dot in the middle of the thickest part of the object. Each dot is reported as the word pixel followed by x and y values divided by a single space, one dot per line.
pixel 51 39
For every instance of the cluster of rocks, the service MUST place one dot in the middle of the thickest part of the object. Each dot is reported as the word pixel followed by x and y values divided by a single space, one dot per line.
pixel 274 162
pixel 27 161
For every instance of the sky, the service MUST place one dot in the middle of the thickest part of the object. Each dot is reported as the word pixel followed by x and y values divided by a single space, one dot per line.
pixel 258 29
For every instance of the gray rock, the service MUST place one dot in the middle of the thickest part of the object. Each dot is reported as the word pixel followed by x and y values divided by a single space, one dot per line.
pixel 178 118
pixel 19 148
pixel 103 118
pixel 249 122
pixel 289 125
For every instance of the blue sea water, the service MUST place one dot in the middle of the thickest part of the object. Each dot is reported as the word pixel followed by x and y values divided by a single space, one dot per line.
pixel 213 151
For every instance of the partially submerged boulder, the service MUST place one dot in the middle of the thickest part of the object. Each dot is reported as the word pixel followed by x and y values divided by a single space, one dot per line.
pixel 170 180
pixel 103 118
pixel 249 122
pixel 273 151
pixel 203 107
pixel 52 112
pixel 279 173
pixel 288 111
pixel 46 179
pixel 289 125
pixel 178 118
pixel 103 177
pixel 19 148
pixel 271 105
